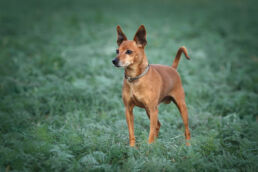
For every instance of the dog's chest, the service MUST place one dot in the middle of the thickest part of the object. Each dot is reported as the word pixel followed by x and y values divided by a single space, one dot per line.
pixel 136 95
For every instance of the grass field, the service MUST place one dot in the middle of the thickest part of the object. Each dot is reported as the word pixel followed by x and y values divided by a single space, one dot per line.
pixel 61 107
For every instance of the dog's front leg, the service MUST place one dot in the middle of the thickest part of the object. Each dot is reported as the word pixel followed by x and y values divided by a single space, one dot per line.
pixel 153 112
pixel 158 124
pixel 130 124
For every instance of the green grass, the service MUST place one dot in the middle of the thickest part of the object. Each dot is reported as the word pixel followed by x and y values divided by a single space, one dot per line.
pixel 61 107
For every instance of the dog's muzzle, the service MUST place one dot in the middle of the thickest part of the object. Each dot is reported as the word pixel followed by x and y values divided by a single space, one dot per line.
pixel 116 62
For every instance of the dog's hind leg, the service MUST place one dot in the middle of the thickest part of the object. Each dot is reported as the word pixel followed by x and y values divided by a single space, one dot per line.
pixel 179 99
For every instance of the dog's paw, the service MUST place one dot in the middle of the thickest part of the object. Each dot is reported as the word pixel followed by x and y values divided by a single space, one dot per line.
pixel 187 143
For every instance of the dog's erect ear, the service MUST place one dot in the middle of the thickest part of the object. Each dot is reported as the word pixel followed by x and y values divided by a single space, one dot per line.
pixel 120 35
pixel 140 37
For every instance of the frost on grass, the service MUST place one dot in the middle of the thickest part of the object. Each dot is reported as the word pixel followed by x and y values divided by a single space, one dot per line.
pixel 61 107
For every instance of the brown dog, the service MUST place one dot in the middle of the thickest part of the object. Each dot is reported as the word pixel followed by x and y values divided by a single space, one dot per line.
pixel 147 86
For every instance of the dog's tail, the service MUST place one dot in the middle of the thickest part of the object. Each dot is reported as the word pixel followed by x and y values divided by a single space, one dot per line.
pixel 178 55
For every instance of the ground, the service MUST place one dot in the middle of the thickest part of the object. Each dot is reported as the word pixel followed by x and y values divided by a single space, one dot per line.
pixel 61 107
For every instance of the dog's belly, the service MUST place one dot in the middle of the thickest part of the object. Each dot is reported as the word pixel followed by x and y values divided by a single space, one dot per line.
pixel 166 100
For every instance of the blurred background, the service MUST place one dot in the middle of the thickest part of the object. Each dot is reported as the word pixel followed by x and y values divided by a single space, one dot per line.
pixel 61 107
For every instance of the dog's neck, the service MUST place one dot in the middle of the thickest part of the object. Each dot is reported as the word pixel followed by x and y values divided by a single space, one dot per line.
pixel 136 69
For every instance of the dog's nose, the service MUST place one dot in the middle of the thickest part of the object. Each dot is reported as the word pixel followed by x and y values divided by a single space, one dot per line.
pixel 115 61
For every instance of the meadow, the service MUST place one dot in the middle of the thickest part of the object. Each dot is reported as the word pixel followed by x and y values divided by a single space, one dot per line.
pixel 61 107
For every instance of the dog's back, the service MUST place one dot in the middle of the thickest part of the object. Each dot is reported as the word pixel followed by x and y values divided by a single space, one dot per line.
pixel 170 79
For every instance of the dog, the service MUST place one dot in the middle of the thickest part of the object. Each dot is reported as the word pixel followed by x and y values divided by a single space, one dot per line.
pixel 147 85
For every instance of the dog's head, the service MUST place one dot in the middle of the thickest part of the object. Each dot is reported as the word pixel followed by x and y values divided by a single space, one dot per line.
pixel 130 51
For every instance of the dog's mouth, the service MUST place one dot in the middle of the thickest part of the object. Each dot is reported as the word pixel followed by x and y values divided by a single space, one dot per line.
pixel 118 63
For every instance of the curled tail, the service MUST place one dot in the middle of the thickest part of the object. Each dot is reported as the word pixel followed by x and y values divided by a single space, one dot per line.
pixel 178 55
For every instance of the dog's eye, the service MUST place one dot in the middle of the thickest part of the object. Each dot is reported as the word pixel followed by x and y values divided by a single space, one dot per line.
pixel 128 52
pixel 117 51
